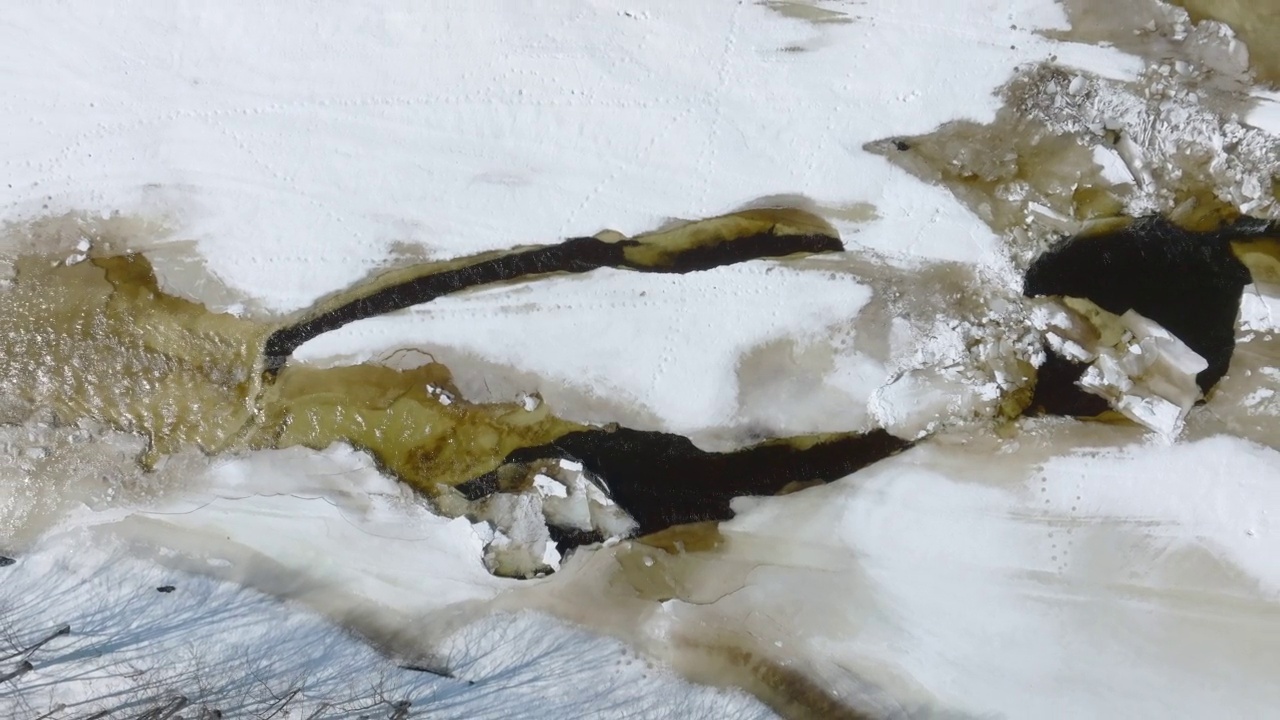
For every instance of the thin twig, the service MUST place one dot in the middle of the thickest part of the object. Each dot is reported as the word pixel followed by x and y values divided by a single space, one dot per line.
pixel 282 702
pixel 64 630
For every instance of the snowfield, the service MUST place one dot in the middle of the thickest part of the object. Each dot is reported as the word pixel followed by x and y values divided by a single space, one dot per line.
pixel 131 649
pixel 278 154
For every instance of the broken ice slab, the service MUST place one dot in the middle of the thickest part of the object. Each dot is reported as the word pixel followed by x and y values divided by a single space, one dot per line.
pixel 521 545
pixel 1189 282
pixel 1149 376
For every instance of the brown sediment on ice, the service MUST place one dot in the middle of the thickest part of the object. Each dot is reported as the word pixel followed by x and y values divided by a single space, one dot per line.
pixel 807 11
pixel 92 337
pixel 1069 150
pixel 1010 170
pixel 1160 31
pixel 97 339
pixel 414 420
pixel 779 682
pixel 1149 198
pixel 95 343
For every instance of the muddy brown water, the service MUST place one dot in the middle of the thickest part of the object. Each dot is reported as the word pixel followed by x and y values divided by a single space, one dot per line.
pixel 96 338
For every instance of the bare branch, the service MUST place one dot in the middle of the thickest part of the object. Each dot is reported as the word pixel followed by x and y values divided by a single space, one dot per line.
pixel 55 709
pixel 63 630
pixel 281 703
pixel 166 711
pixel 438 672
pixel 23 668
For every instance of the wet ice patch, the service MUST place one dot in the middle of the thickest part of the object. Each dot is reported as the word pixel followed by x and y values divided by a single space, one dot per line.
pixel 962 369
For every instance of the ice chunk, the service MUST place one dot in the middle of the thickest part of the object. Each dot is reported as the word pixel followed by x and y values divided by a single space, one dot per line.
pixel 549 487
pixel 1258 312
pixel 1113 167
pixel 1155 413
pixel 1148 375
pixel 1067 331
pixel 571 509
pixel 551 556
pixel 609 519
pixel 572 498
pixel 519 544
pixel 1068 348
pixel 440 394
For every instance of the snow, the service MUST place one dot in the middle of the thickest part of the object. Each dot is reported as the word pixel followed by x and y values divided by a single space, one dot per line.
pixel 577 335
pixel 1027 583
pixel 131 648
pixel 269 509
pixel 457 128
pixel 1071 571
